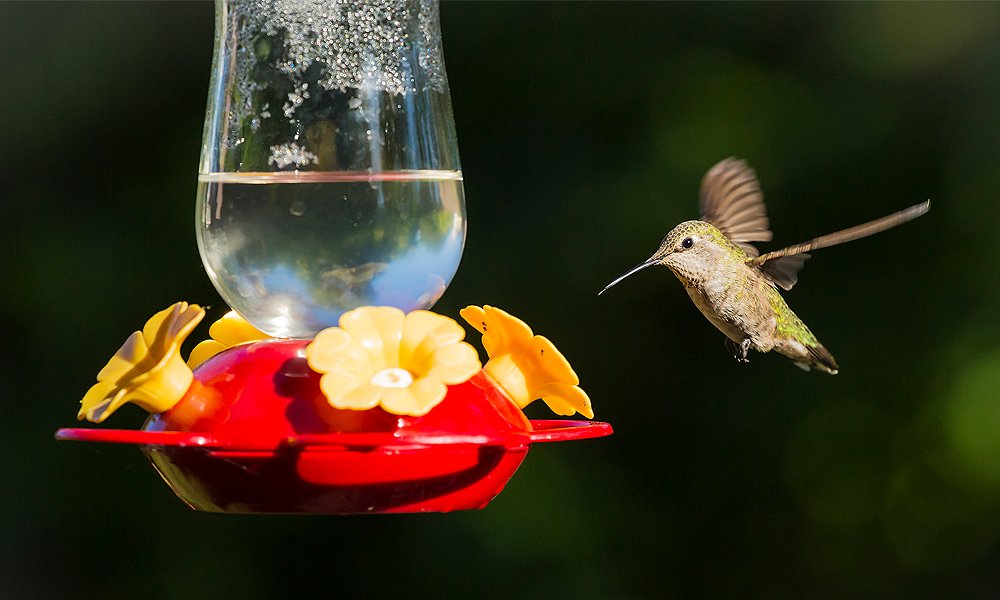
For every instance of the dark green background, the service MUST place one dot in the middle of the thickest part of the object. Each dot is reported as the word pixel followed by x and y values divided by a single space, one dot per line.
pixel 584 132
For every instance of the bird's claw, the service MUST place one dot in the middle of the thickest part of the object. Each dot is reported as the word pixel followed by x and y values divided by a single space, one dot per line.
pixel 739 351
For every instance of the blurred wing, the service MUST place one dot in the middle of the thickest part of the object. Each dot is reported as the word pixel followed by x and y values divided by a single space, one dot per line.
pixel 782 266
pixel 784 271
pixel 732 201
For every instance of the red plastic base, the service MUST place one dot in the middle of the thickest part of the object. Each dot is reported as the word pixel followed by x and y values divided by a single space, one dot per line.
pixel 255 435
pixel 336 482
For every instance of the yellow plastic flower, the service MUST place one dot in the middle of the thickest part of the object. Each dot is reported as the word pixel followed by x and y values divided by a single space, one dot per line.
pixel 147 370
pixel 527 366
pixel 380 357
pixel 230 330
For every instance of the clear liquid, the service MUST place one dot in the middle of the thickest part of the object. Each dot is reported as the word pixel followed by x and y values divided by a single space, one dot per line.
pixel 291 252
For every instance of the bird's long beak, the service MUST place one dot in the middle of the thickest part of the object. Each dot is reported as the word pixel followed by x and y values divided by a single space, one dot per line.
pixel 652 260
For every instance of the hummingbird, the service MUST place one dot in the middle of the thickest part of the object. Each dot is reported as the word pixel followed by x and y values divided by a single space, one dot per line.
pixel 734 285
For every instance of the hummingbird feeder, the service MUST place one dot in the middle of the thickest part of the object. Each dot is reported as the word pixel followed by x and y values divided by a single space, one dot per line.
pixel 331 217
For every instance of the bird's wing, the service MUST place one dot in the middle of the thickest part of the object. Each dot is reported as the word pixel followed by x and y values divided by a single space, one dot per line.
pixel 783 271
pixel 732 201
pixel 782 266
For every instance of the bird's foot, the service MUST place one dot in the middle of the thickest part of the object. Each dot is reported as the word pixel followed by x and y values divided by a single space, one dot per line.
pixel 739 351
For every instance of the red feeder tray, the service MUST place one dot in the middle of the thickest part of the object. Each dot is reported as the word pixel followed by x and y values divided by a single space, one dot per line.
pixel 254 434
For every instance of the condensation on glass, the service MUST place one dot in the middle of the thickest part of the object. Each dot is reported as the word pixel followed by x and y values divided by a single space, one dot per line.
pixel 329 176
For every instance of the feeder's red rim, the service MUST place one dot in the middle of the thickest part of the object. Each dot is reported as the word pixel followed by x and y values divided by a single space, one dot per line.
pixel 542 431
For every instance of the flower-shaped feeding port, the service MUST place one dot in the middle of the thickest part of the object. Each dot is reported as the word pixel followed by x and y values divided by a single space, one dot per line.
pixel 381 357
pixel 525 365
pixel 388 412
pixel 147 369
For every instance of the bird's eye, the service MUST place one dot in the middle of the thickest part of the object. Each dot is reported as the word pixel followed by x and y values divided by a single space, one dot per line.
pixel 687 243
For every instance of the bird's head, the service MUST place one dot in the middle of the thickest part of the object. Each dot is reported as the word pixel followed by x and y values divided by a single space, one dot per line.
pixel 692 250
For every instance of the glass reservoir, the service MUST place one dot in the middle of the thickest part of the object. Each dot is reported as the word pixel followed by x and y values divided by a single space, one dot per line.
pixel 329 176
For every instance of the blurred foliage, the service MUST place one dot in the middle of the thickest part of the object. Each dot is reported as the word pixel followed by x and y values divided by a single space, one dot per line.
pixel 584 130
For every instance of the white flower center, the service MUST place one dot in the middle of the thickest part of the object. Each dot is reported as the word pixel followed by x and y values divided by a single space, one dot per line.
pixel 393 377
